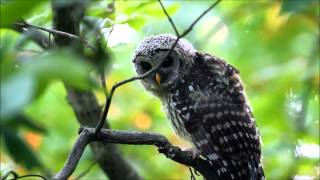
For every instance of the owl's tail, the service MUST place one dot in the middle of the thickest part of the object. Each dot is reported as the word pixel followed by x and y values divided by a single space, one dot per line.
pixel 250 169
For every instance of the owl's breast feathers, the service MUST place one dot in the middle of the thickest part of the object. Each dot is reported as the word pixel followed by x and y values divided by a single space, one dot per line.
pixel 209 106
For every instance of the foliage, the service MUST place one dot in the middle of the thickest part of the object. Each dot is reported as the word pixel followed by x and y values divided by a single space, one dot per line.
pixel 274 44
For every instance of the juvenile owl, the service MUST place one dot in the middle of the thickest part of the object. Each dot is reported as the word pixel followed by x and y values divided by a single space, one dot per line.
pixel 206 103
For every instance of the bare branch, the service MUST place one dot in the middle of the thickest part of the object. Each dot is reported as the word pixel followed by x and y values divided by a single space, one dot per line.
pixel 103 82
pixel 35 35
pixel 86 171
pixel 74 156
pixel 172 152
pixel 102 73
pixel 25 24
pixel 16 176
pixel 198 19
pixel 169 18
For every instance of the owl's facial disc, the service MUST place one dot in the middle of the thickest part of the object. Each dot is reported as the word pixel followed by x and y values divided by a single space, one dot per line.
pixel 165 75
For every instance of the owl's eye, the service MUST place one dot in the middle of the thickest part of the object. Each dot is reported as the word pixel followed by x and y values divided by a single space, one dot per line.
pixel 145 65
pixel 167 62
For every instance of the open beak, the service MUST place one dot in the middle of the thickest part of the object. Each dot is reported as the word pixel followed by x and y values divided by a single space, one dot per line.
pixel 158 79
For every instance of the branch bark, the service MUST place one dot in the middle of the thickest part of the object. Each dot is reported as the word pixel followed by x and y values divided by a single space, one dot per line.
pixel 24 24
pixel 34 34
pixel 135 138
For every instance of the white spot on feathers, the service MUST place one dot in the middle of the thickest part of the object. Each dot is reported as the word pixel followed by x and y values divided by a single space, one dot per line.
pixel 190 88
pixel 213 156
pixel 186 116
pixel 224 163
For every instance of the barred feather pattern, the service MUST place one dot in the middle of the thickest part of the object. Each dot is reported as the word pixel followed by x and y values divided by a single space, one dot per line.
pixel 209 106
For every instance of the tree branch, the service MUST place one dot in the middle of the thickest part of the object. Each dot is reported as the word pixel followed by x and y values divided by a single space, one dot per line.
pixel 86 171
pixel 169 18
pixel 16 176
pixel 35 35
pixel 198 18
pixel 24 24
pixel 172 152
pixel 74 156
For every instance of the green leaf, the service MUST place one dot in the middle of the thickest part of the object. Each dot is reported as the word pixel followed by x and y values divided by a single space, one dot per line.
pixel 137 22
pixel 8 40
pixel 19 151
pixel 295 5
pixel 22 120
pixel 36 73
pixel 11 11
pixel 155 11
pixel 60 65
pixel 16 92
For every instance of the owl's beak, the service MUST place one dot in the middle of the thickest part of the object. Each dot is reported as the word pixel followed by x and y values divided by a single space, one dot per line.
pixel 158 79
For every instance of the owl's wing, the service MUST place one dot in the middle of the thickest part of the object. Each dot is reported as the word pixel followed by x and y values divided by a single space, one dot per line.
pixel 223 128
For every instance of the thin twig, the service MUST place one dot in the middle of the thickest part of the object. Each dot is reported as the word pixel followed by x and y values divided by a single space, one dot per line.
pixel 118 84
pixel 169 18
pixel 102 74
pixel 110 32
pixel 30 175
pixel 103 82
pixel 49 40
pixel 53 31
pixel 86 171
pixel 198 19
pixel 16 176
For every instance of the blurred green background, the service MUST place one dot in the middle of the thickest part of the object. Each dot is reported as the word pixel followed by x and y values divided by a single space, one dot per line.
pixel 274 44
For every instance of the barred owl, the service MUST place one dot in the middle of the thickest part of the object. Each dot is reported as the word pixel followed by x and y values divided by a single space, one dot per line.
pixel 206 103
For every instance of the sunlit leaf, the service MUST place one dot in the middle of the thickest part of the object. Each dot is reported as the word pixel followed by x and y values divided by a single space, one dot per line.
pixel 14 10
pixel 137 22
pixel 60 65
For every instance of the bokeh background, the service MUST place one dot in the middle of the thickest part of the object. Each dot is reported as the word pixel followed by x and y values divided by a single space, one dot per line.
pixel 274 44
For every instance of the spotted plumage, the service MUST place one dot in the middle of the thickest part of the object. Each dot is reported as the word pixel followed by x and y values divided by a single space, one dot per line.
pixel 206 103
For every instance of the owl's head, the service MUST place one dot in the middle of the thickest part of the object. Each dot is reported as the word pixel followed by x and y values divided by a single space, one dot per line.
pixel 152 51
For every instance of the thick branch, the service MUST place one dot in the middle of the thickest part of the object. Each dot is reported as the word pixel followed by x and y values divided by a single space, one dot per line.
pixel 134 138
pixel 74 156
